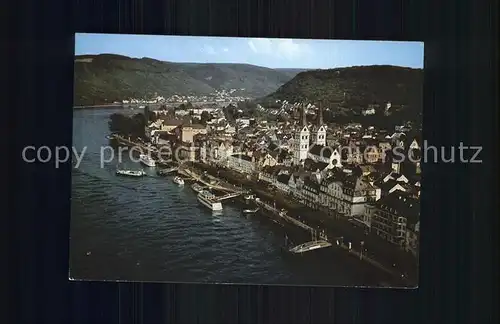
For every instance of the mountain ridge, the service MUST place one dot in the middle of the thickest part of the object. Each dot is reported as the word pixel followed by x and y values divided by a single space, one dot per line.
pixel 109 77
pixel 356 86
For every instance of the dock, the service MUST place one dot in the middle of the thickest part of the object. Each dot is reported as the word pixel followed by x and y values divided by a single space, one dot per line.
pixel 283 215
pixel 196 177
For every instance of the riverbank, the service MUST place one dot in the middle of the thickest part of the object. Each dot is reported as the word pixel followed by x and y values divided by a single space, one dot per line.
pixel 352 238
pixel 341 232
pixel 116 105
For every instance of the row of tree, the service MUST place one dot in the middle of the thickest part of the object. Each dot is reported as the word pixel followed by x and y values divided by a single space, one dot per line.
pixel 133 126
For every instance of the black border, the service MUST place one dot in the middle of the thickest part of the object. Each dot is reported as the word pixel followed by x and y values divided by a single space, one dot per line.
pixel 459 213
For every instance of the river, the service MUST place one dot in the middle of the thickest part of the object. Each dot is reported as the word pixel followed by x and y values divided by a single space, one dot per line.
pixel 149 229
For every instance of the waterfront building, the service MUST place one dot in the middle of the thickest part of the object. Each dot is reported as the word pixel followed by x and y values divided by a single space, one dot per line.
pixel 412 235
pixel 263 159
pixel 269 174
pixel 282 182
pixel 350 194
pixel 241 163
pixel 392 215
pixel 310 193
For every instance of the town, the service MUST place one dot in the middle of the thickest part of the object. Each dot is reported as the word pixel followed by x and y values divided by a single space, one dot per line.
pixel 344 172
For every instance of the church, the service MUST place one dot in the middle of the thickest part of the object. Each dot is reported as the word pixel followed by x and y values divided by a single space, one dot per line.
pixel 310 142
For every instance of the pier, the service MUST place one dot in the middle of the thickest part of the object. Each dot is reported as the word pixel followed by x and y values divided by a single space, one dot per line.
pixel 283 215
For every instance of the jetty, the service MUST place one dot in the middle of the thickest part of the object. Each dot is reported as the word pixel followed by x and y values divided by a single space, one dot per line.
pixel 283 214
pixel 232 192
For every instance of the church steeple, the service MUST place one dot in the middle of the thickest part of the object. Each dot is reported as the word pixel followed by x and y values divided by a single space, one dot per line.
pixel 320 129
pixel 303 116
pixel 320 115
pixel 301 139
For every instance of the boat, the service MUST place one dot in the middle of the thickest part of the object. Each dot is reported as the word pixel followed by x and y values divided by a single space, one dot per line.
pixel 179 181
pixel 209 200
pixel 251 211
pixel 131 173
pixel 310 246
pixel 197 187
pixel 145 159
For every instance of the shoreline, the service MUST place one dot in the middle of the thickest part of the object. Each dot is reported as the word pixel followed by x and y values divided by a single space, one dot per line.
pixel 336 228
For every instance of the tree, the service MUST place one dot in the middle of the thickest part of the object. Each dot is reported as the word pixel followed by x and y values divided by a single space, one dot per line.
pixel 127 126
pixel 205 116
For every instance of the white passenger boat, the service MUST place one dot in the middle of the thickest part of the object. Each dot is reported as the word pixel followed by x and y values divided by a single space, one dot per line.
pixel 209 200
pixel 179 181
pixel 147 160
pixel 131 173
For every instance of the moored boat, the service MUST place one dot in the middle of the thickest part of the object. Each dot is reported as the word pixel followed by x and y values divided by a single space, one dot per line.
pixel 131 173
pixel 147 160
pixel 209 200
pixel 179 181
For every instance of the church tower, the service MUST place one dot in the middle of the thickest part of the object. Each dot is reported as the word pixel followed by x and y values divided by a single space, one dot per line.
pixel 320 128
pixel 301 139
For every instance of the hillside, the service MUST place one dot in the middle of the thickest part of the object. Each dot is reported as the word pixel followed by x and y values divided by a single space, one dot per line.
pixel 354 87
pixel 108 77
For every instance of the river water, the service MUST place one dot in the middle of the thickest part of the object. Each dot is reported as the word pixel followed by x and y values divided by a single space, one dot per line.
pixel 149 229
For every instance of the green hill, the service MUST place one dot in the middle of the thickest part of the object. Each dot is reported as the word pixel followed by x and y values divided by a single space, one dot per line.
pixel 354 87
pixel 108 77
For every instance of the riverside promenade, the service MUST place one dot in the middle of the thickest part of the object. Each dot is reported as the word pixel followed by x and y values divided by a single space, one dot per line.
pixel 352 238
pixel 340 231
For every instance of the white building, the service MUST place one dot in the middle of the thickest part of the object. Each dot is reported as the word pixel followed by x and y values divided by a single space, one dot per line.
pixel 241 163
pixel 301 140
pixel 319 130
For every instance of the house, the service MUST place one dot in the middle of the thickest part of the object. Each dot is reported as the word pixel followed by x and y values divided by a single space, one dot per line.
pixel 241 163
pixel 170 124
pixel 390 186
pixel 188 131
pixel 413 234
pixel 368 111
pixel 395 176
pixel 310 193
pixel 269 174
pixel 349 194
pixel 326 193
pixel 367 169
pixel 392 215
pixel 282 182
pixel 220 151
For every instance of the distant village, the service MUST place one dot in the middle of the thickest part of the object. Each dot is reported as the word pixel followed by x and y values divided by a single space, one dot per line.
pixel 323 166
pixel 219 96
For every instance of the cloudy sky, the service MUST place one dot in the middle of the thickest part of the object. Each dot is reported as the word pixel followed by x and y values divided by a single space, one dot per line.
pixel 268 52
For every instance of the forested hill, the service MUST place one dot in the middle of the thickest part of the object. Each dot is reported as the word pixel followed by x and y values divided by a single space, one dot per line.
pixel 108 77
pixel 354 86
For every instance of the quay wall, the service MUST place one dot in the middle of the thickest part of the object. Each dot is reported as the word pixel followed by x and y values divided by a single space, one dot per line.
pixel 369 248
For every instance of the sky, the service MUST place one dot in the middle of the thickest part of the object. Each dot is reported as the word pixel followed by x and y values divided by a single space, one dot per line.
pixel 266 52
